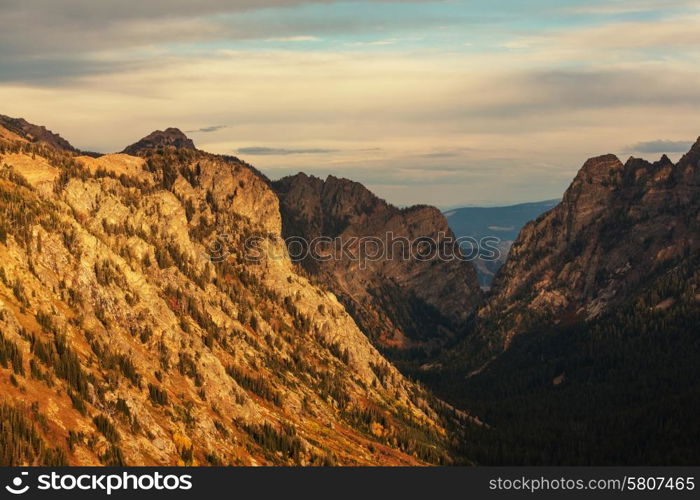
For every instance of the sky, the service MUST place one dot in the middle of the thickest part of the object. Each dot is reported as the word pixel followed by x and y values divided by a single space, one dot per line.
pixel 448 103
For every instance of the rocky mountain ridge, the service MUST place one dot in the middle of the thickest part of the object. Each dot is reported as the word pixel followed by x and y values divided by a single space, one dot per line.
pixel 19 128
pixel 617 226
pixel 133 330
pixel 399 300
pixel 586 353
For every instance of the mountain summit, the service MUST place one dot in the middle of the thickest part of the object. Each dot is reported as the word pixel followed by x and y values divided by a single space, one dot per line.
pixel 169 137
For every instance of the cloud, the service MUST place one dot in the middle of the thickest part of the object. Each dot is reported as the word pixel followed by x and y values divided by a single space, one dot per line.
pixel 428 121
pixel 295 39
pixel 537 93
pixel 60 70
pixel 88 26
pixel 618 38
pixel 661 146
pixel 89 13
pixel 374 43
pixel 87 35
pixel 613 7
pixel 263 151
pixel 445 153
pixel 212 128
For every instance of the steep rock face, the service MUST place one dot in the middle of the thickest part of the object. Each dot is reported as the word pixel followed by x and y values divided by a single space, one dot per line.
pixel 135 330
pixel 399 300
pixel 169 137
pixel 587 351
pixel 618 226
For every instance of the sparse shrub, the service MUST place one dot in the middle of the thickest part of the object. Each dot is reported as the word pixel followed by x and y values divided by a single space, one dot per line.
pixel 256 385
pixel 106 427
pixel 157 395
pixel 10 355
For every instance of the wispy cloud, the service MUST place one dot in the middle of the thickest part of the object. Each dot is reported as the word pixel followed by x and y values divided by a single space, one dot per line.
pixel 612 7
pixel 661 146
pixel 374 43
pixel 619 38
pixel 211 128
pixel 264 151
pixel 294 39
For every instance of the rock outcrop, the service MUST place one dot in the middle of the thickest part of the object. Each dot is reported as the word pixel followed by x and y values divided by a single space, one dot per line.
pixel 586 353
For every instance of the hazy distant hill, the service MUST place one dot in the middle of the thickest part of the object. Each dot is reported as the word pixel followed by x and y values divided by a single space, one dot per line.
pixel 502 222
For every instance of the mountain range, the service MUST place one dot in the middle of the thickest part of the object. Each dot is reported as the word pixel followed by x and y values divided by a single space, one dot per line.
pixel 135 328
pixel 132 332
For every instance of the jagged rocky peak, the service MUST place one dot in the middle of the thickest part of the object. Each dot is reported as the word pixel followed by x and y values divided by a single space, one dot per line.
pixel 616 226
pixel 692 157
pixel 169 137
pixel 599 167
pixel 606 161
pixel 35 133
pixel 664 161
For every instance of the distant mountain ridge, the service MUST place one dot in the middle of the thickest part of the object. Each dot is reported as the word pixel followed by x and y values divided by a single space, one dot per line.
pixel 479 221
pixel 503 222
